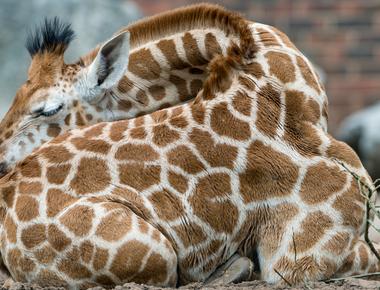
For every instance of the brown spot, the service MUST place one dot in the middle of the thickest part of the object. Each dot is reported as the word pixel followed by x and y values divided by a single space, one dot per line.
pixel 78 220
pixel 8 134
pixel 57 239
pixel 34 187
pixel 46 278
pixel 347 264
pixel 269 110
pixel 27 265
pixel 53 130
pixel 198 113
pixel 190 234
pixel 347 203
pixel 268 174
pixel 127 261
pixel 30 167
pixel 298 108
pixel 57 174
pixel 159 116
pixel 135 152
pixel 45 255
pixel 212 197
pixel 225 124
pixel 363 255
pixel 212 46
pixel 86 250
pixel 195 259
pixel 56 154
pixel 195 87
pixel 163 135
pixel 313 228
pixel 157 92
pixel 342 151
pixel 67 120
pixel 299 132
pixel 27 208
pixel 57 200
pixel 125 85
pixel 168 48
pixel 178 181
pixel 181 86
pixel 142 64
pixel 242 103
pixel 33 235
pixel 182 156
pixel 267 38
pixel 138 133
pixel 124 105
pixel 72 267
pixel 168 206
pixel 105 280
pixel 255 69
pixel 11 229
pixel 281 66
pixel 94 131
pixel 100 258
pixel 115 225
pixel 196 71
pixel 138 176
pixel 320 182
pixel 117 130
pixel 91 145
pixel 307 74
pixel 179 122
pixel 193 54
pixel 155 264
pixel 8 194
pixel 337 243
pixel 142 98
pixel 92 176
pixel 79 119
pixel 216 155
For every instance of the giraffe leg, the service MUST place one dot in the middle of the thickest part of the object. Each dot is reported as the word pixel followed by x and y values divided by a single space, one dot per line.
pixel 96 242
pixel 360 261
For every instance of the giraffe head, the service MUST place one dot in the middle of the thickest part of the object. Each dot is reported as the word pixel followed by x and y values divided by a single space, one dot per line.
pixel 57 96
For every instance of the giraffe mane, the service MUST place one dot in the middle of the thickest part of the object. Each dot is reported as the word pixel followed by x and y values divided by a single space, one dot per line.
pixel 51 36
pixel 184 19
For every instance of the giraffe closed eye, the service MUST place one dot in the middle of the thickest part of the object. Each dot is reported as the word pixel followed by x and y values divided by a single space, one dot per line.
pixel 47 113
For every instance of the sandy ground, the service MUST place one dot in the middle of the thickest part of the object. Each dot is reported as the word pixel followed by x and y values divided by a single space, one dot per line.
pixel 349 284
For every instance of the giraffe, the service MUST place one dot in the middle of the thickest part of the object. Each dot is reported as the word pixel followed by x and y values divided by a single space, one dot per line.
pixel 166 198
pixel 151 64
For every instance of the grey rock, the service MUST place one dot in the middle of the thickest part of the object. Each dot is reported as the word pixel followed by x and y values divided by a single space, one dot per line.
pixel 94 21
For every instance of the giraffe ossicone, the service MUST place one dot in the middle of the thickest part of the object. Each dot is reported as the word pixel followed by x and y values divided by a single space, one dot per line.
pixel 166 198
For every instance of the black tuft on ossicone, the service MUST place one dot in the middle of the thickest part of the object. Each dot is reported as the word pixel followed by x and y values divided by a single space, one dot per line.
pixel 51 36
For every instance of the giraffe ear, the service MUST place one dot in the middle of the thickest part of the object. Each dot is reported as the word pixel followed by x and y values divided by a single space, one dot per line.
pixel 109 65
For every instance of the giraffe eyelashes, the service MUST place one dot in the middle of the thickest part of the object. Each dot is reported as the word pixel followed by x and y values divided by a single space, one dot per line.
pixel 41 112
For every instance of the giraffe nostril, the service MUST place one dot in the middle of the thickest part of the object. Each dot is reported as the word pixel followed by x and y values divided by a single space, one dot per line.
pixel 3 169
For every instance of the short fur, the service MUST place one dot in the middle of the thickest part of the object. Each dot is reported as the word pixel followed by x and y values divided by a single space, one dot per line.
pixel 52 36
pixel 184 19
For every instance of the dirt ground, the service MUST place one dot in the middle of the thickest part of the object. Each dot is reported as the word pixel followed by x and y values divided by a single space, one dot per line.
pixel 349 284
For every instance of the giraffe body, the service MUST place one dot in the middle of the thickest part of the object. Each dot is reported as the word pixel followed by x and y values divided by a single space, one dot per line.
pixel 163 63
pixel 168 197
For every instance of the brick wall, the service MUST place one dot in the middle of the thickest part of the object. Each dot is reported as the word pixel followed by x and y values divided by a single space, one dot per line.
pixel 341 36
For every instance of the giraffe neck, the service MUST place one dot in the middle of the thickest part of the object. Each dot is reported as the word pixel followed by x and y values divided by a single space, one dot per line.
pixel 164 73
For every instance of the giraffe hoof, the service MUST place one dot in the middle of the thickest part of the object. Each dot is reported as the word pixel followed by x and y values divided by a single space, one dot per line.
pixel 241 269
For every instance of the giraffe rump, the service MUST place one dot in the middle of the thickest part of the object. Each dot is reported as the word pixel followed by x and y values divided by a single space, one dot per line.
pixel 51 36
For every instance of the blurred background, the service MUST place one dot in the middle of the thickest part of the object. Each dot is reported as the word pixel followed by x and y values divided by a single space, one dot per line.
pixel 341 37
